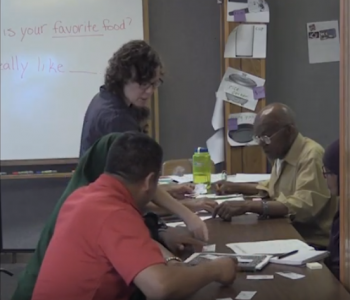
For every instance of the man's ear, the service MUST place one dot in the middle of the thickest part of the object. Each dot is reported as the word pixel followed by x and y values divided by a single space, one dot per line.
pixel 149 181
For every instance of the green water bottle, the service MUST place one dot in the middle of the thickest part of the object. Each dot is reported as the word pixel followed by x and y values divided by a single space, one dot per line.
pixel 201 167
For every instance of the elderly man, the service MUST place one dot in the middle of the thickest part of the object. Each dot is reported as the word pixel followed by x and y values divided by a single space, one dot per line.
pixel 297 186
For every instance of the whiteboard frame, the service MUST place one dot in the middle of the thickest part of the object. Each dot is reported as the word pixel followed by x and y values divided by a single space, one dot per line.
pixel 153 123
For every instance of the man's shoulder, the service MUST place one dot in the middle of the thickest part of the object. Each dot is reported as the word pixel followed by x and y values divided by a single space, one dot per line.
pixel 94 198
pixel 312 150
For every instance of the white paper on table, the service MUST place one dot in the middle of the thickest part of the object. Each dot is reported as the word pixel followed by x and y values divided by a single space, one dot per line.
pixel 247 40
pixel 259 277
pixel 217 120
pixel 175 224
pixel 290 275
pixel 258 11
pixel 215 145
pixel 186 178
pixel 244 178
pixel 323 42
pixel 209 248
pixel 245 295
pixel 269 247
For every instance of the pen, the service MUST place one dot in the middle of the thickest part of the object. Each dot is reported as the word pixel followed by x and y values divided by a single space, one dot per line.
pixel 287 254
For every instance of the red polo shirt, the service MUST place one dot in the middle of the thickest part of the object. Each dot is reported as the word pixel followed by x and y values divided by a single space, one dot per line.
pixel 99 245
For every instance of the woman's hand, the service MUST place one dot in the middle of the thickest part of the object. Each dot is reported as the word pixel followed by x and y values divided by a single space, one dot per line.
pixel 200 204
pixel 178 191
pixel 197 227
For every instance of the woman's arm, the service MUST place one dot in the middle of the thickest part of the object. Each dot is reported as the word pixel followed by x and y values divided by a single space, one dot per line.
pixel 164 200
pixel 193 222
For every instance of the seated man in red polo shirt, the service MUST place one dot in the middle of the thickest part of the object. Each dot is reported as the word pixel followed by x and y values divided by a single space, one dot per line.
pixel 102 250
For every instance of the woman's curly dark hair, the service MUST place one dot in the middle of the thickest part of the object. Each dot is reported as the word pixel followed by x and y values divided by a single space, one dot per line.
pixel 135 61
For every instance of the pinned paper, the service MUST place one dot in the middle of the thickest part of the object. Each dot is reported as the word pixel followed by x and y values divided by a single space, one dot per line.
pixel 259 92
pixel 256 11
pixel 239 15
pixel 215 145
pixel 232 124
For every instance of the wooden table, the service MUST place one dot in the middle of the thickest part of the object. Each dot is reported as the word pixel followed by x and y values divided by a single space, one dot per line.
pixel 317 284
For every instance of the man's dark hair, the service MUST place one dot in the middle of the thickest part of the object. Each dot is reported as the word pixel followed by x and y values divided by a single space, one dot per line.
pixel 134 156
pixel 135 61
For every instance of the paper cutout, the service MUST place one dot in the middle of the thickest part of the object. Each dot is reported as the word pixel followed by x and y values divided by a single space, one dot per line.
pixel 232 124
pixel 239 15
pixel 259 92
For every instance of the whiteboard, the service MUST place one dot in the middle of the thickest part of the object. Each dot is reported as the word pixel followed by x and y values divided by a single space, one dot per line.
pixel 53 57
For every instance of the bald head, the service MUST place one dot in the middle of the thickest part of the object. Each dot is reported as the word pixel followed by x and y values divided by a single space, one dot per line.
pixel 276 115
pixel 275 124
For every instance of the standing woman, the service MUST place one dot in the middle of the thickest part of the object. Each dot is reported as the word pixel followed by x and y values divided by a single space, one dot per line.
pixel 331 172
pixel 133 74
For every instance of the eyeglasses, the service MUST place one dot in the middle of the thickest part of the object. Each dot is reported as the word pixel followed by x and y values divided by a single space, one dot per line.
pixel 155 85
pixel 267 139
pixel 325 172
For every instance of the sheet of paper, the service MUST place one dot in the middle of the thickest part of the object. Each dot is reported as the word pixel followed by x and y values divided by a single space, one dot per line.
pixel 219 197
pixel 186 178
pixel 244 135
pixel 237 87
pixel 175 224
pixel 230 199
pixel 290 275
pixel 217 120
pixel 256 11
pixel 211 257
pixel 215 145
pixel 259 44
pixel 259 277
pixel 245 295
pixel 209 248
pixel 241 177
pixel 247 40
pixel 269 247
pixel 323 42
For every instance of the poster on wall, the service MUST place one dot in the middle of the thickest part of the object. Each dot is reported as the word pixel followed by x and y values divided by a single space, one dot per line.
pixel 323 42
pixel 241 129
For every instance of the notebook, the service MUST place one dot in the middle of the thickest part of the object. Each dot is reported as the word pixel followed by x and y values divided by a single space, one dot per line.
pixel 247 263
pixel 301 258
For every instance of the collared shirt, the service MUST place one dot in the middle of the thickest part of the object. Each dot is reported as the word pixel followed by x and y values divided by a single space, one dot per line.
pixel 106 113
pixel 100 244
pixel 301 186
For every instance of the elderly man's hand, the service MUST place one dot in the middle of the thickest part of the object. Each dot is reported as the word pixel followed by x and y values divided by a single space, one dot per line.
pixel 226 188
pixel 230 209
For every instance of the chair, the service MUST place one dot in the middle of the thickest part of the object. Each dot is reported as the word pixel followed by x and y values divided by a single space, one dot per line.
pixel 180 167
pixel 177 167
pixel 6 272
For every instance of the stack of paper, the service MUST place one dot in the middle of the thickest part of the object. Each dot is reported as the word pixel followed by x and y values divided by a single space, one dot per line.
pixel 240 177
pixel 269 247
pixel 304 255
